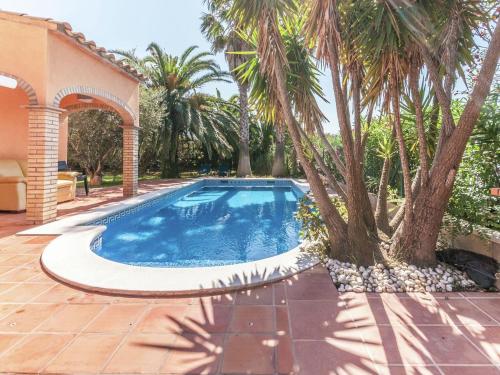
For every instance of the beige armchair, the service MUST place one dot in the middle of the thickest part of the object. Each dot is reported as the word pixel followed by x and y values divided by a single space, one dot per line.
pixel 12 186
pixel 66 186
pixel 13 183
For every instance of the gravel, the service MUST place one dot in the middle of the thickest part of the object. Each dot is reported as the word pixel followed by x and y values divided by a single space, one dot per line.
pixel 403 278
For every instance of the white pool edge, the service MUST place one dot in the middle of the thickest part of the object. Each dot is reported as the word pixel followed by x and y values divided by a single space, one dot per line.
pixel 70 259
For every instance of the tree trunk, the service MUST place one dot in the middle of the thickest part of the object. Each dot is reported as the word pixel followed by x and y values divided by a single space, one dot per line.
pixel 419 122
pixel 381 214
pixel 244 168
pixel 279 169
pixel 95 179
pixel 165 150
pixel 405 163
pixel 415 241
pixel 172 165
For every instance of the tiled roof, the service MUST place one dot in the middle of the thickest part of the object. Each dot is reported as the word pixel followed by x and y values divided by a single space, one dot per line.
pixel 66 29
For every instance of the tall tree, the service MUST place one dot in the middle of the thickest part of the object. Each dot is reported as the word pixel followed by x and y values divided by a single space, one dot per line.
pixel 368 48
pixel 187 112
pixel 222 33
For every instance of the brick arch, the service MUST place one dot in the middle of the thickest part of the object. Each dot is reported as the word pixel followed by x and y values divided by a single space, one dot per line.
pixel 25 86
pixel 119 105
pixel 87 106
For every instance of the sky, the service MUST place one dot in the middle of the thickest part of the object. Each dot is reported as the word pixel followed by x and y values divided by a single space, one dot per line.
pixel 133 24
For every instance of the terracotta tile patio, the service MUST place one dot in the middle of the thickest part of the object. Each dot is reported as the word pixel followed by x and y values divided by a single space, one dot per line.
pixel 297 326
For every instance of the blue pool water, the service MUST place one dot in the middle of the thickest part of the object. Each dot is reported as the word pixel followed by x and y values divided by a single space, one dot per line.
pixel 210 226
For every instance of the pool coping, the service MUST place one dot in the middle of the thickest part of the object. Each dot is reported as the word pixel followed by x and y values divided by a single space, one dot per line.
pixel 70 259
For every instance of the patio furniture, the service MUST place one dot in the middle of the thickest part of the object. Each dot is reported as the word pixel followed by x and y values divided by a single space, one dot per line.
pixel 62 166
pixel 12 186
pixel 223 170
pixel 204 169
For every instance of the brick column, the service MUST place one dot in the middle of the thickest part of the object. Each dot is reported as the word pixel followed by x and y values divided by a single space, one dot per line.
pixel 43 140
pixel 130 160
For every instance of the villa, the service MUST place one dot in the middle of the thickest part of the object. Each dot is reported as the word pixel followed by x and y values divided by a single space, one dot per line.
pixel 206 275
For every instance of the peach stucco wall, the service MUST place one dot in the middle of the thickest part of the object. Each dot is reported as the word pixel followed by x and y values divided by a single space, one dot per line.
pixel 13 124
pixel 24 53
pixel 34 51
pixel 71 66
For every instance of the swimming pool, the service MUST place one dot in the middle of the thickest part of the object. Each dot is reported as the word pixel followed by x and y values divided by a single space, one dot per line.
pixel 210 226
pixel 201 236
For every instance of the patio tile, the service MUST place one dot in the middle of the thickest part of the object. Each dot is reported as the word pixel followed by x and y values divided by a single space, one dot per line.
pixel 26 318
pixel 202 319
pixel 364 310
pixel 40 240
pixel 116 318
pixel 6 286
pixel 7 308
pixel 23 293
pixel 59 294
pixel 19 274
pixel 487 339
pixel 447 345
pixel 470 370
pixel 413 311
pixel 71 318
pixel 218 299
pixel 252 319
pixel 33 354
pixel 282 320
pixel 249 354
pixel 284 355
pixel 490 306
pixel 42 277
pixel 408 370
pixel 18 260
pixel 331 357
pixel 461 311
pixel 317 320
pixel 7 340
pixel 194 354
pixel 162 319
pixel 86 297
pixel 279 294
pixel 86 353
pixel 314 286
pixel 259 296
pixel 397 345
pixel 481 295
pixel 141 353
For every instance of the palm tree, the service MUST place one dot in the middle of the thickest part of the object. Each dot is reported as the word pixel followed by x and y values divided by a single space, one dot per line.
pixel 224 37
pixel 265 16
pixel 186 111
pixel 369 64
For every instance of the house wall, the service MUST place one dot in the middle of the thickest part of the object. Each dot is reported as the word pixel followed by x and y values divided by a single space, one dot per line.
pixel 73 66
pixel 13 124
pixel 24 52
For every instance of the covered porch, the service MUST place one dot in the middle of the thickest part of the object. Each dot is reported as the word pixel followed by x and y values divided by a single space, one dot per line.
pixel 47 72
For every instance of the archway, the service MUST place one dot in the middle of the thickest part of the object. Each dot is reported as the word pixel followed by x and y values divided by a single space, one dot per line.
pixel 80 98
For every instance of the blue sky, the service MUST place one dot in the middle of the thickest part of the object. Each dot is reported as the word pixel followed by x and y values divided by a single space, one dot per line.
pixel 129 24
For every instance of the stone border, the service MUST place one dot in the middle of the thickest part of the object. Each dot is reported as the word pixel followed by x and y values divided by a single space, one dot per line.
pixel 25 86
pixel 70 258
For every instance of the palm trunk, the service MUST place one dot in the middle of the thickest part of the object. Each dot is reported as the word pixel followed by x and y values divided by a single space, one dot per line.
pixel 405 163
pixel 381 214
pixel 279 169
pixel 244 168
pixel 419 121
pixel 415 241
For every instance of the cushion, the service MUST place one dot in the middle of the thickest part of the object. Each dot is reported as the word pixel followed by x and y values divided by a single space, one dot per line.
pixel 64 183
pixel 10 168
